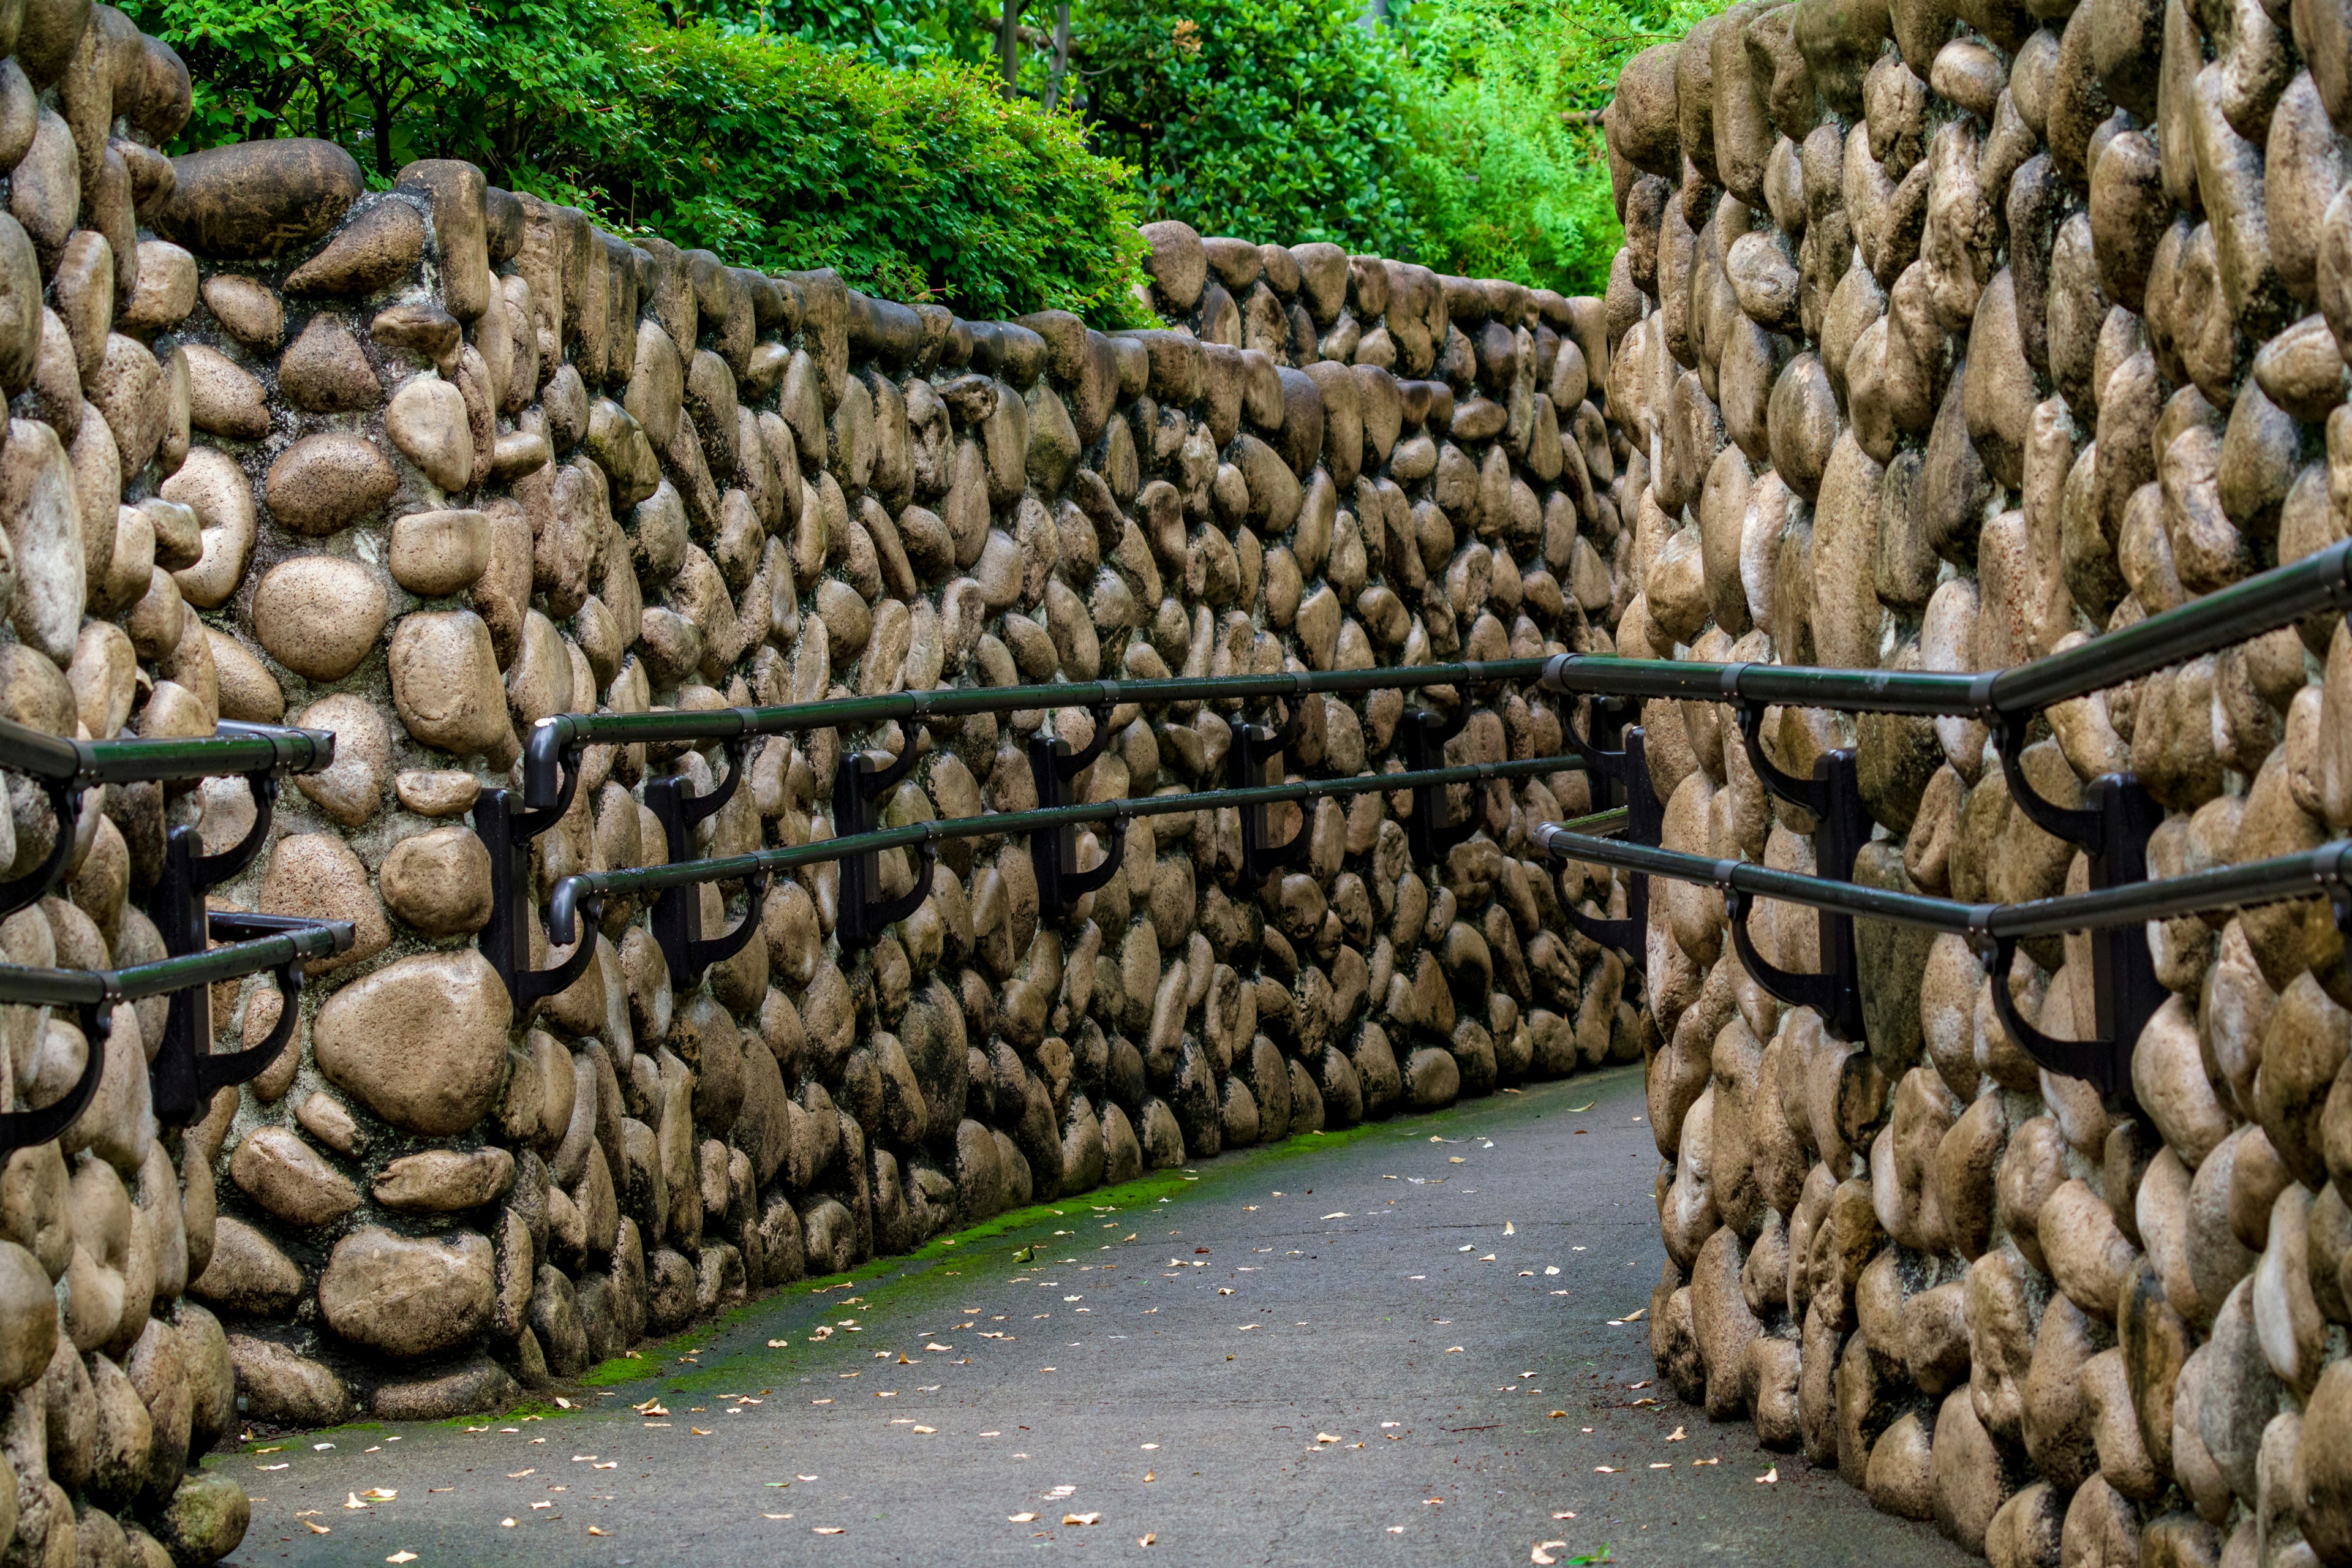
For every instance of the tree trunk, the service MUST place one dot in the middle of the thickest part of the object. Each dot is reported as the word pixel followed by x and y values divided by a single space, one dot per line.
pixel 1008 46
pixel 1061 56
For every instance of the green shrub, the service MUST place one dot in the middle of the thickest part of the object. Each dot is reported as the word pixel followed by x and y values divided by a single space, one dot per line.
pixel 919 184
pixel 1502 185
pixel 1272 119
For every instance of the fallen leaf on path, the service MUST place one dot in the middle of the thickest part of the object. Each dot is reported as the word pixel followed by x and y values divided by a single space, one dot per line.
pixel 1021 1519
pixel 1081 1518
pixel 1663 1465
pixel 269 1466
pixel 351 1500
pixel 1326 1437
pixel 1770 1476
pixel 1146 1540
pixel 1557 1414
pixel 507 1523
pixel 402 1557
pixel 1676 1436
pixel 775 1516
pixel 1636 1315
pixel 316 1529
pixel 1452 1350
pixel 828 1530
pixel 1510 1229
pixel 926 1428
pixel 1541 1553
pixel 1604 1469
pixel 593 1531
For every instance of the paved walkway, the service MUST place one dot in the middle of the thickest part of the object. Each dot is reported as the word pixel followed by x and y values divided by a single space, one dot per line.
pixel 1391 1345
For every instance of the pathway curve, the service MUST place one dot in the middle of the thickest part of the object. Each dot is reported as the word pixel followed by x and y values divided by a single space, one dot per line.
pixel 1392 1345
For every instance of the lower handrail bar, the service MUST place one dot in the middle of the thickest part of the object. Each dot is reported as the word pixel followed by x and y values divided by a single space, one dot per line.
pixel 575 891
pixel 1747 878
pixel 95 992
pixel 1993 930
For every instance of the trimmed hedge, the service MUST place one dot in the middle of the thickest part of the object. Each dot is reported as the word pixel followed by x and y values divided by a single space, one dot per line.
pixel 917 185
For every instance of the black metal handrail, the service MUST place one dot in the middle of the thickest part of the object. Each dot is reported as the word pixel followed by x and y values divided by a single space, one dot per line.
pixel 66 768
pixel 550 753
pixel 2261 604
pixel 1994 929
pixel 508 820
pixel 587 891
pixel 280 943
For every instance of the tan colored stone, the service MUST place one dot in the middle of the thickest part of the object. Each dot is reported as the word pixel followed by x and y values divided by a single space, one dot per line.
pixel 276 1169
pixel 439 881
pixel 326 371
pixel 328 482
pixel 351 788
pixel 437 554
pixel 247 1272
pixel 211 485
pixel 319 616
pixel 437 792
pixel 316 875
pixel 248 310
pixel 427 421
pixel 443 1181
pixel 224 399
pixel 446 685
pixel 422 1041
pixel 407 1297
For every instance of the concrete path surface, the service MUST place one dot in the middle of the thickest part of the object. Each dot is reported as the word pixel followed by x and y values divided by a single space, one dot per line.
pixel 1390 1345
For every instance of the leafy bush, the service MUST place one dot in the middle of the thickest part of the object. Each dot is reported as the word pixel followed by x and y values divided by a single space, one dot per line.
pixel 916 183
pixel 1275 119
pixel 1503 185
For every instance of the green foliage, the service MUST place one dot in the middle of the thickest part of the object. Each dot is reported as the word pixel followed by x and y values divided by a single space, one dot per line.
pixel 916 183
pixel 899 33
pixel 1505 186
pixel 1275 119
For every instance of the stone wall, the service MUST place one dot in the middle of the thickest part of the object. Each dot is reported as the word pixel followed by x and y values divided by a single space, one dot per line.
pixel 423 466
pixel 1947 336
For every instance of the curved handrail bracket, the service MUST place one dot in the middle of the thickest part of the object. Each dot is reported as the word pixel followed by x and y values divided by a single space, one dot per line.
pixel 65 801
pixel 1428 834
pixel 1834 993
pixel 2102 1061
pixel 1054 852
pixel 858 788
pixel 678 911
pixel 1253 746
pixel 23 1129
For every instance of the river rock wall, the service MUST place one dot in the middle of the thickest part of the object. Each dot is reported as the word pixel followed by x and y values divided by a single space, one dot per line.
pixel 1947 336
pixel 421 466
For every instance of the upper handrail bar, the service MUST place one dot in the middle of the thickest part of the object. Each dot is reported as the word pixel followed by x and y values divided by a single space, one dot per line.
pixel 548 780
pixel 237 748
pixel 2262 603
pixel 590 887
